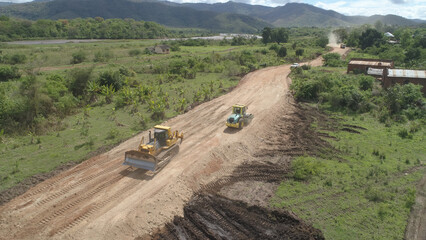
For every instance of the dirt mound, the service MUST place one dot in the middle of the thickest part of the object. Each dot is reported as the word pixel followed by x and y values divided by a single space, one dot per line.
pixel 215 217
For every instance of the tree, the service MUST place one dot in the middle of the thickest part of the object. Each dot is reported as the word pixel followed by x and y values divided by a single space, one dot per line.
pixel 353 39
pixel 379 26
pixel 78 79
pixel 280 35
pixel 111 78
pixel 341 34
pixel 282 52
pixel 322 41
pixel 299 52
pixel 266 35
pixel 412 54
pixel 406 38
pixel 370 38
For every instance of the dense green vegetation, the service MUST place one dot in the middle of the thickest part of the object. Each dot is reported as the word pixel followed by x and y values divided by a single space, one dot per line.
pixel 360 94
pixel 69 100
pixel 407 49
pixel 362 188
pixel 89 28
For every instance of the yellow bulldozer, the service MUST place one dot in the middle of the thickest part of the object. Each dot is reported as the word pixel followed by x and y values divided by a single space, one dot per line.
pixel 159 150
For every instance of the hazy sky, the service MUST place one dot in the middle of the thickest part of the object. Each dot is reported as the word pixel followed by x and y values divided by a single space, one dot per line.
pixel 406 8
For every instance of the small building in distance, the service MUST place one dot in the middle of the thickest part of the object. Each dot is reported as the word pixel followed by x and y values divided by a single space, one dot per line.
pixel 160 49
pixel 361 65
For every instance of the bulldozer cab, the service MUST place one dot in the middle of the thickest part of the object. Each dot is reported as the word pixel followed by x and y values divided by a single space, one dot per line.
pixel 161 135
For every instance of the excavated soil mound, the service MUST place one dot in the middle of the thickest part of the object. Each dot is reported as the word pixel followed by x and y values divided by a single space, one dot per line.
pixel 215 217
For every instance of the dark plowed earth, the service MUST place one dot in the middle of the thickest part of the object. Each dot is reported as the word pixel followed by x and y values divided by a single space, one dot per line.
pixel 215 217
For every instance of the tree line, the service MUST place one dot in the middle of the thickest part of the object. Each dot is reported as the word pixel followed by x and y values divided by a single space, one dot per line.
pixel 87 28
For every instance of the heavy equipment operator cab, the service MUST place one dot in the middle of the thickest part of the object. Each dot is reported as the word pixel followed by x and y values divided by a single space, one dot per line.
pixel 239 110
pixel 161 135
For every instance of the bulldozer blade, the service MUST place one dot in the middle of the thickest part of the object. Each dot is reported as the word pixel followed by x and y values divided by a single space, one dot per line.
pixel 140 160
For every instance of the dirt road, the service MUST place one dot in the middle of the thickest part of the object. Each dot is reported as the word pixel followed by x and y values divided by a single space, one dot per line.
pixel 102 199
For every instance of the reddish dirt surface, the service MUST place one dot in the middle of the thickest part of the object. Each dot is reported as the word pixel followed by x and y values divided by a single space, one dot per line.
pixel 102 199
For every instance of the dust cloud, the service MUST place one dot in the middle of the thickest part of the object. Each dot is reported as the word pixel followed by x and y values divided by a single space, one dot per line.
pixel 332 39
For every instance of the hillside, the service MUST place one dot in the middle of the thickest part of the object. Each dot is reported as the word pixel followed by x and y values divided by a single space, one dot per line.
pixel 299 15
pixel 219 17
pixel 173 16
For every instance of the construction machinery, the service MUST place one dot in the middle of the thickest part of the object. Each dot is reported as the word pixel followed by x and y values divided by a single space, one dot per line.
pixel 239 116
pixel 159 150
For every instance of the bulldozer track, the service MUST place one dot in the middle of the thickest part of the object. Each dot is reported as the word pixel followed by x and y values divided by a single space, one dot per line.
pixel 76 184
pixel 55 180
pixel 85 196
pixel 91 209
pixel 167 158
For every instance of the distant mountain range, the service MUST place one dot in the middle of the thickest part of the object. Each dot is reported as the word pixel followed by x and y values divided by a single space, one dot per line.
pixel 218 17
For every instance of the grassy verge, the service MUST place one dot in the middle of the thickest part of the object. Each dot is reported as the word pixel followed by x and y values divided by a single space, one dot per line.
pixel 366 189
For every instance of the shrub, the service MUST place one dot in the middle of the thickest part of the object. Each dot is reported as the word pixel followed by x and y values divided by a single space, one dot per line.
pixel 103 56
pixel 332 60
pixel 299 52
pixel 306 90
pixel 306 67
pixel 111 78
pixel 282 52
pixel 112 134
pixel 135 52
pixel 376 195
pixel 366 83
pixel 78 79
pixel 16 59
pixel 126 71
pixel 274 47
pixel 410 198
pixel 78 57
pixel 8 73
pixel 404 133
pixel 305 167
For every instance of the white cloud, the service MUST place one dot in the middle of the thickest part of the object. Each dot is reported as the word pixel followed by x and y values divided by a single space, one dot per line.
pixel 411 9
pixel 16 1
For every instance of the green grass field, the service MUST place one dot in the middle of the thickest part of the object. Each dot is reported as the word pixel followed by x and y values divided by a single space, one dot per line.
pixel 365 189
